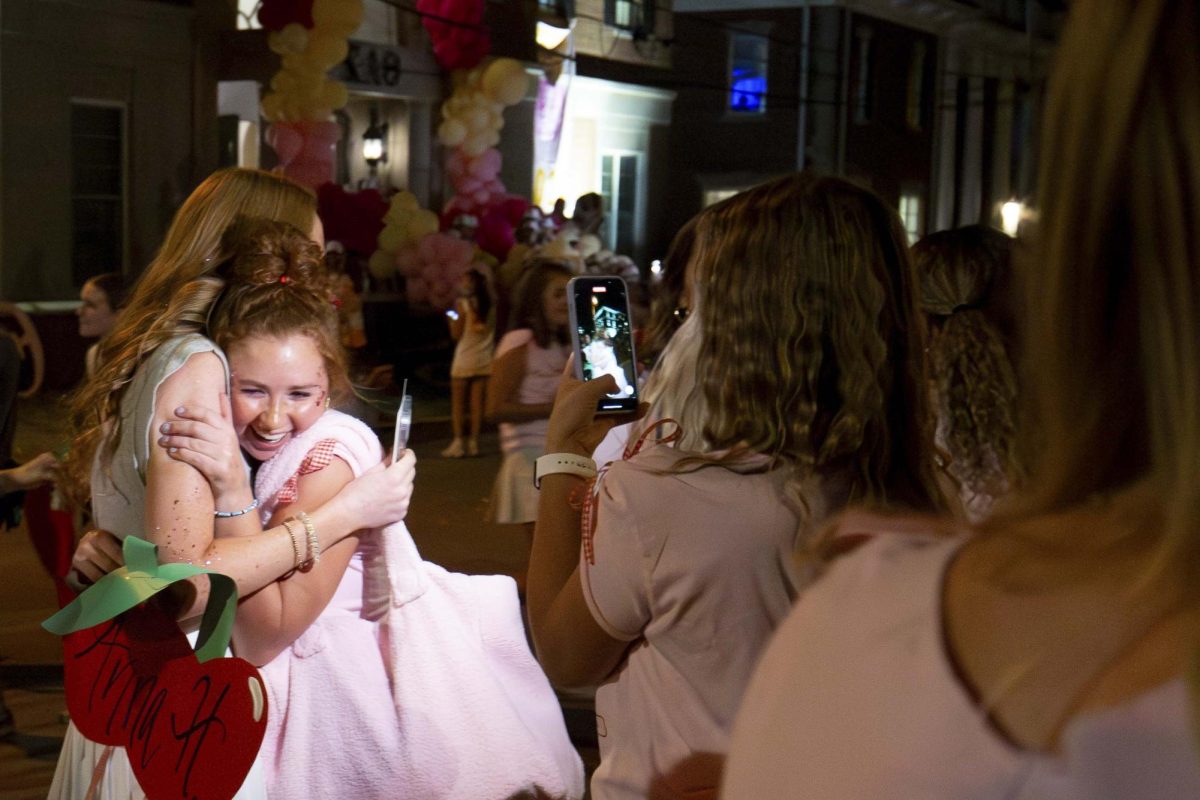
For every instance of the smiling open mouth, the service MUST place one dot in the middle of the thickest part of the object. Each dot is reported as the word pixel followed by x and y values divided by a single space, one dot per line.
pixel 273 439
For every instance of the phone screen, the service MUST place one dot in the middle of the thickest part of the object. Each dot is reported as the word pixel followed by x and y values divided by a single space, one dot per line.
pixel 602 333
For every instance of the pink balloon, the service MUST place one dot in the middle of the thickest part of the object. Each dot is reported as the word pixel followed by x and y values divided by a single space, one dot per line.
pixel 309 172
pixel 456 165
pixel 326 133
pixel 486 166
pixel 286 140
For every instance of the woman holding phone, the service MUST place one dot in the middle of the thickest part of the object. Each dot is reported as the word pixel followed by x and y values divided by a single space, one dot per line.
pixel 784 395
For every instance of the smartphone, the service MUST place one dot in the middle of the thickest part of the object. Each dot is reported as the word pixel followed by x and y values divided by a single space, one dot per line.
pixel 403 423
pixel 602 335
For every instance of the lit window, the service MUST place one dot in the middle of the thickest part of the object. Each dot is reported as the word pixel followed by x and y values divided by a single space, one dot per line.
pixel 618 187
pixel 247 14
pixel 910 214
pixel 747 73
pixel 630 15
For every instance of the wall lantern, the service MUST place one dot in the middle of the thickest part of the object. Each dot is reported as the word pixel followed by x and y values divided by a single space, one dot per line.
pixel 374 141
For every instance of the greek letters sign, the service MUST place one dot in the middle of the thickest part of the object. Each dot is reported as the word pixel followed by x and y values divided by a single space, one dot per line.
pixel 370 66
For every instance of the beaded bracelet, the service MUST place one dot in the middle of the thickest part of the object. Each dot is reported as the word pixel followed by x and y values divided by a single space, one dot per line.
pixel 314 544
pixel 296 562
pixel 226 514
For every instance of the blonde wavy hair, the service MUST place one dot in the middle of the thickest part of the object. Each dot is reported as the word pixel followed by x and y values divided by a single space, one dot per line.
pixel 276 285
pixel 1113 382
pixel 172 297
pixel 964 274
pixel 804 342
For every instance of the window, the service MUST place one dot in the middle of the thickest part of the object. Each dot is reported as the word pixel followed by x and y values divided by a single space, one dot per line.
pixel 247 14
pixel 97 189
pixel 864 79
pixel 630 15
pixel 747 73
pixel 911 212
pixel 618 187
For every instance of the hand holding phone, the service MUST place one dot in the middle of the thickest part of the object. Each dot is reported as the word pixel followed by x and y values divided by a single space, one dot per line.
pixel 602 337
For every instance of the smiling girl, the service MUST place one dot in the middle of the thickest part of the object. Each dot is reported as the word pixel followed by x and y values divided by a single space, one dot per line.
pixel 473 716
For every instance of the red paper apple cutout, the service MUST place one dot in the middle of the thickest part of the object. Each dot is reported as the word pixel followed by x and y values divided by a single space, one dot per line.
pixel 190 729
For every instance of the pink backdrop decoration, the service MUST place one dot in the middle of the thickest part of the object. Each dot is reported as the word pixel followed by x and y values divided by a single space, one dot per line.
pixel 460 41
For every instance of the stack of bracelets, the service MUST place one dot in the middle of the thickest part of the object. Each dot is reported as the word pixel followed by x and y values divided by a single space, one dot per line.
pixel 312 551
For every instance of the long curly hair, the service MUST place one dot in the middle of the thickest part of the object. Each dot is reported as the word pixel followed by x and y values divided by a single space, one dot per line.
pixel 963 275
pixel 276 285
pixel 173 297
pixel 804 341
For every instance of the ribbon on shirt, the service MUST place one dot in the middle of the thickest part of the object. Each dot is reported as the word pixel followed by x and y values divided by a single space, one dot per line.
pixel 586 498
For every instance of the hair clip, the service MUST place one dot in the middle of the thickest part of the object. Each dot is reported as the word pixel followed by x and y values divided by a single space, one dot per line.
pixel 337 302
pixel 283 278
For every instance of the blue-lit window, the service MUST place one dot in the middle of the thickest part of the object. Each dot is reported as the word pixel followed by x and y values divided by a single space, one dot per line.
pixel 747 73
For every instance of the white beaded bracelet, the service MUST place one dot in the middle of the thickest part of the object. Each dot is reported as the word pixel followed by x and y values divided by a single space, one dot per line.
pixel 226 514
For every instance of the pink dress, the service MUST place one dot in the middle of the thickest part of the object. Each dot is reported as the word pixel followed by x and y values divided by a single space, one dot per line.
pixel 414 682
pixel 856 698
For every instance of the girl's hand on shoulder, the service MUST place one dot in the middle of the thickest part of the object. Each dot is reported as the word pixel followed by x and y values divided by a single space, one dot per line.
pixel 206 440
pixel 574 426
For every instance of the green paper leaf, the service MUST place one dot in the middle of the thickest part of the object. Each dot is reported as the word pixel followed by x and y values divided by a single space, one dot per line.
pixel 141 578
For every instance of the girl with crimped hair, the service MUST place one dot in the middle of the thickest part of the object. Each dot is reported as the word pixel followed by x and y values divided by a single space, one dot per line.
pixel 965 294
pixel 794 386
pixel 1054 653
pixel 333 636
pixel 156 361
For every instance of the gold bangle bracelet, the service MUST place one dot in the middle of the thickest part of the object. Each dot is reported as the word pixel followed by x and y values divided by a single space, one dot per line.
pixel 295 544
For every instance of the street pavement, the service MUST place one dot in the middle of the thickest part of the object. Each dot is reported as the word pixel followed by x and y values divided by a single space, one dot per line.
pixel 448 521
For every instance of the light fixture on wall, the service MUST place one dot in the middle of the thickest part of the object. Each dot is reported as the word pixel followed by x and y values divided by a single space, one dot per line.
pixel 1011 214
pixel 374 141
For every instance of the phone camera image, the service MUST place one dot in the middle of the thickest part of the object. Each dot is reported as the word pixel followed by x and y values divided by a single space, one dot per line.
pixel 604 339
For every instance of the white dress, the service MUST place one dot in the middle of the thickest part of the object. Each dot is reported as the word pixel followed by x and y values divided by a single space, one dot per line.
pixel 118 502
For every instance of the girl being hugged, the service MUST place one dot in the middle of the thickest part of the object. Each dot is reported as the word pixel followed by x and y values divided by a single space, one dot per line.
pixel 473 328
pixel 363 644
pixel 158 359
